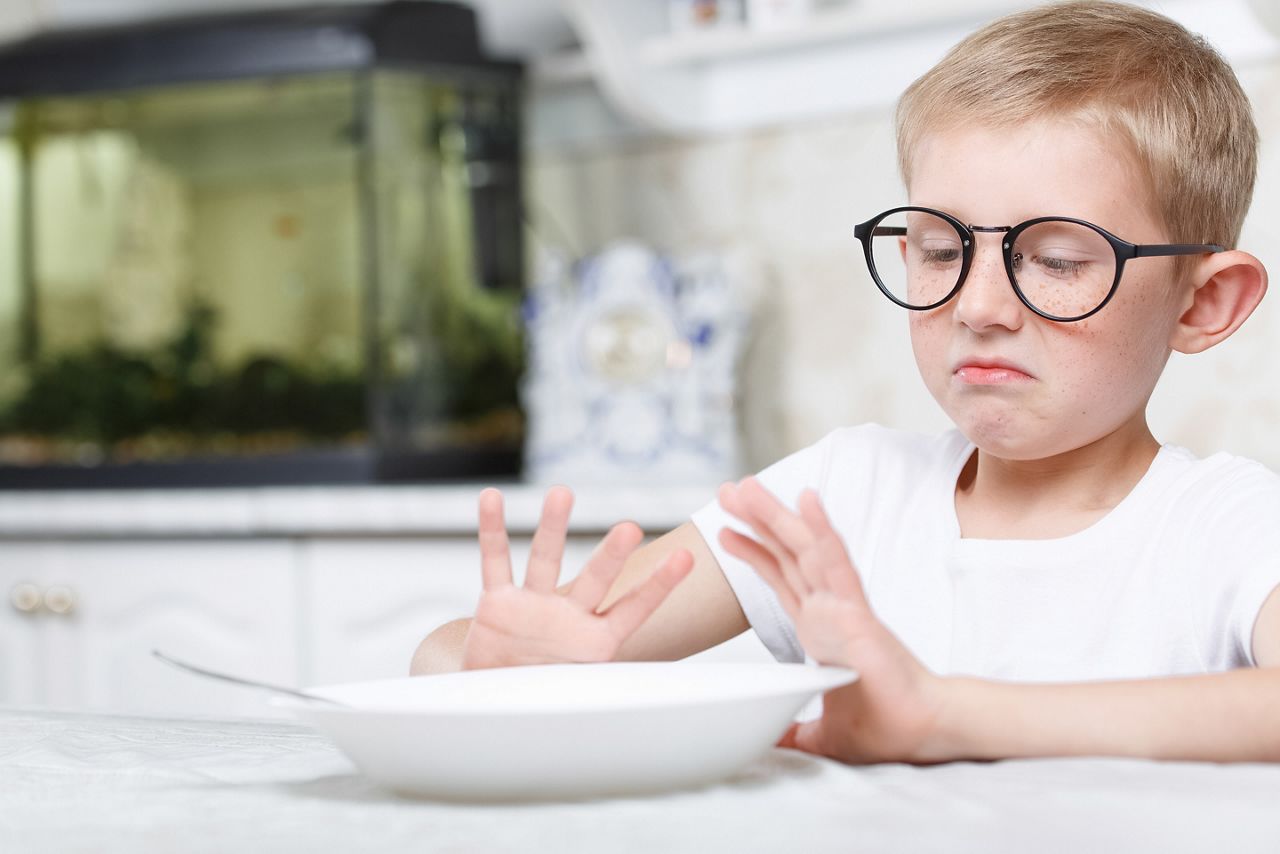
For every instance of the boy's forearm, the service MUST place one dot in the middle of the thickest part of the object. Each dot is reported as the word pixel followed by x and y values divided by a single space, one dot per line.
pixel 1219 717
pixel 441 651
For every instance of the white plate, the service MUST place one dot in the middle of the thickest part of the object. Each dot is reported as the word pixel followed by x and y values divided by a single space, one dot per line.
pixel 565 730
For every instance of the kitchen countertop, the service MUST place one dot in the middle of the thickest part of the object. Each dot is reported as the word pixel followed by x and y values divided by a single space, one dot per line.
pixel 328 511
pixel 79 782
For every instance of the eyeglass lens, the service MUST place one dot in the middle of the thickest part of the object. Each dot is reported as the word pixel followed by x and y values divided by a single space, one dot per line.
pixel 1064 269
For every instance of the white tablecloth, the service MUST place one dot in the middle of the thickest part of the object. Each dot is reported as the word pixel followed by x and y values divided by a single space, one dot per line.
pixel 72 782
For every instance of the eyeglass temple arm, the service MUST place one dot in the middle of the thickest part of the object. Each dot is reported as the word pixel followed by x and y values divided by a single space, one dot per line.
pixel 1152 250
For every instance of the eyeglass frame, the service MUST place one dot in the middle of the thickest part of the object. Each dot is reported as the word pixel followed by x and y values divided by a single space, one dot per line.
pixel 1124 251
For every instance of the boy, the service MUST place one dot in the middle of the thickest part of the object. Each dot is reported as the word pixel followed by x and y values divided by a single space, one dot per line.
pixel 1047 579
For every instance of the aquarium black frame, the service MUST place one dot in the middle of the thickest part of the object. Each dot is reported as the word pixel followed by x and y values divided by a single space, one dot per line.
pixel 236 45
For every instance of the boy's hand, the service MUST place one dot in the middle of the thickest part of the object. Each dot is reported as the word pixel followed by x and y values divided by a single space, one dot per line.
pixel 536 624
pixel 890 714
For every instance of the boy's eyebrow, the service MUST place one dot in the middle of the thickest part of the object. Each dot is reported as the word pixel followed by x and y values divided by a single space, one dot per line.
pixel 946 209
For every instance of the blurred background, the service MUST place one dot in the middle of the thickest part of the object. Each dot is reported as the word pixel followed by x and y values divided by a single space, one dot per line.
pixel 282 285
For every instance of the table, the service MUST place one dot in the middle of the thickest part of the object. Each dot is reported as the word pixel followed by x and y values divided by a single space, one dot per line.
pixel 87 782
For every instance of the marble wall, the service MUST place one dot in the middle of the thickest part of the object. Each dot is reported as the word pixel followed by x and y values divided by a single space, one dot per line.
pixel 828 349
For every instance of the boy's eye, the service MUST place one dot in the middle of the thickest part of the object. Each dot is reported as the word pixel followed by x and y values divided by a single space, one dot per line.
pixel 1060 266
pixel 940 256
pixel 1051 265
pixel 1062 251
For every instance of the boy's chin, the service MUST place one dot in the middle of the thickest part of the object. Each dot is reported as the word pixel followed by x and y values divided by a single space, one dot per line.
pixel 1002 447
pixel 1026 442
pixel 1006 437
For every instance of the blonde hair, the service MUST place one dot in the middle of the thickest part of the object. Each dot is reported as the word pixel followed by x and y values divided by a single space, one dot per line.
pixel 1169 95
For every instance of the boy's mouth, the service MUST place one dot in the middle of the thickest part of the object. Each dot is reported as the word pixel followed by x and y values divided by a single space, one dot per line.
pixel 983 371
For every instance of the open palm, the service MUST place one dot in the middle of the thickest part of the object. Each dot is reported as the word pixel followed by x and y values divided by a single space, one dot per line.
pixel 892 711
pixel 537 624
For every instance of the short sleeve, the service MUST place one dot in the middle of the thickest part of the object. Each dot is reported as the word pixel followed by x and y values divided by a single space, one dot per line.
pixel 1259 563
pixel 1249 598
pixel 1241 547
pixel 786 479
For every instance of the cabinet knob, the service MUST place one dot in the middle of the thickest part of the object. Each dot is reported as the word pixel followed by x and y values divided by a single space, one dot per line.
pixel 25 597
pixel 60 600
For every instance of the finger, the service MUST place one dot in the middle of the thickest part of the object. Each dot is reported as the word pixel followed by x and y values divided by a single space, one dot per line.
pixel 628 613
pixel 803 569
pixel 805 736
pixel 547 549
pixel 758 558
pixel 495 549
pixel 829 550
pixel 788 739
pixel 591 585
pixel 730 496
pixel 731 500
pixel 791 532
pixel 789 528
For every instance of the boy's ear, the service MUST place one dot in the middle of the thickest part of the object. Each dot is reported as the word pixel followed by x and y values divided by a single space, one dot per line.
pixel 1225 289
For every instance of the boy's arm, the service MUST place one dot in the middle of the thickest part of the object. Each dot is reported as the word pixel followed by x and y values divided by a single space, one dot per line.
pixel 1218 717
pixel 699 613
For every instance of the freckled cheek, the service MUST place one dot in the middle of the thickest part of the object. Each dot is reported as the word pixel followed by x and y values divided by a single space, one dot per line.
pixel 1114 362
pixel 928 343
pixel 1141 324
pixel 1147 294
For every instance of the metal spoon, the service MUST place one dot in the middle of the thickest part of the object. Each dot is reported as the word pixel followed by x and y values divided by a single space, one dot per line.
pixel 240 680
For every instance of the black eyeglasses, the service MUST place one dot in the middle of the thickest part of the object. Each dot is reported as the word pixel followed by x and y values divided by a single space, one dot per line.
pixel 1063 269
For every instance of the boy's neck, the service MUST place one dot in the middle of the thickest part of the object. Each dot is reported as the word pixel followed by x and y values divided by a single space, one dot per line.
pixel 1052 497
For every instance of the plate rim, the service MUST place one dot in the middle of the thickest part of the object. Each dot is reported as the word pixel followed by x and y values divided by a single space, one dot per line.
pixel 841 675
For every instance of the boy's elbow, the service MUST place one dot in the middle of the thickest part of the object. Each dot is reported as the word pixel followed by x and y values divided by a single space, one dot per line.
pixel 441 651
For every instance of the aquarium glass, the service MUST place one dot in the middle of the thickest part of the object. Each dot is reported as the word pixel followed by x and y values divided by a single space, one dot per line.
pixel 259 267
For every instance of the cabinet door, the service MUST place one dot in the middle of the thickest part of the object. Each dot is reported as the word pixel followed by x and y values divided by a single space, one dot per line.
pixel 24 663
pixel 371 601
pixel 228 605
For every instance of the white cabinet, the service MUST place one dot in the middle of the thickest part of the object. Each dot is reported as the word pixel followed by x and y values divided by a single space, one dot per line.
pixel 24 660
pixel 228 605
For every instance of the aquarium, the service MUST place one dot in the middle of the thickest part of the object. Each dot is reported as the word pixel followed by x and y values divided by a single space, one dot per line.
pixel 272 247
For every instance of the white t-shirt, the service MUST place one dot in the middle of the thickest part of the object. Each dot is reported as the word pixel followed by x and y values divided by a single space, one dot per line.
pixel 1169 582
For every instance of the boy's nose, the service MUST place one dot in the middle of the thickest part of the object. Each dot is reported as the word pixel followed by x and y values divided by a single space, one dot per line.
pixel 987 298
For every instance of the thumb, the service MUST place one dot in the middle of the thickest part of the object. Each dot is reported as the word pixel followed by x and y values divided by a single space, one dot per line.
pixel 802 736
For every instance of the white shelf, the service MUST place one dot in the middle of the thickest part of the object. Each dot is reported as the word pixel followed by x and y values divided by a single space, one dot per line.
pixel 738 78
pixel 846 59
pixel 694 48
pixel 666 50
pixel 859 21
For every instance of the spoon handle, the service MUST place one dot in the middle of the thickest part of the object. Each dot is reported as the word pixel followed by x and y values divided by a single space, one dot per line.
pixel 240 680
